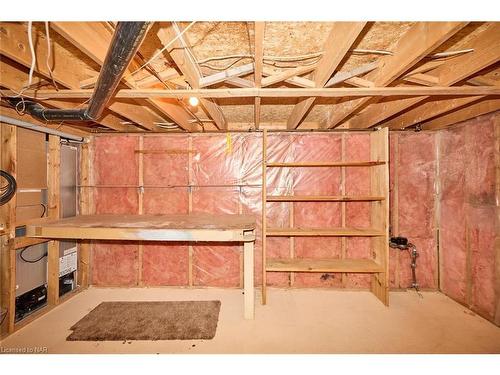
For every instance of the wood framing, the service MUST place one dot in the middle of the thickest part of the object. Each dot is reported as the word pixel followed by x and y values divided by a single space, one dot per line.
pixel 180 52
pixel 258 63
pixel 93 39
pixel 53 212
pixel 7 238
pixel 378 267
pixel 421 39
pixel 486 52
pixel 341 38
pixel 273 92
pixel 466 113
pixel 14 45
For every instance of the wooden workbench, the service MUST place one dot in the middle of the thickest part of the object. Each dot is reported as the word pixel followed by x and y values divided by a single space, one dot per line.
pixel 192 227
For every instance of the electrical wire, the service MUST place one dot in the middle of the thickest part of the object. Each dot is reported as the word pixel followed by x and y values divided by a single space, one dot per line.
pixel 21 255
pixel 7 191
pixel 161 50
pixel 33 56
pixel 47 33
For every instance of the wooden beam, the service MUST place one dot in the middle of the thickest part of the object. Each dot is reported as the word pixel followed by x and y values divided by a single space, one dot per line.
pixel 286 74
pixel 14 79
pixel 421 39
pixel 8 163
pixel 180 52
pixel 294 80
pixel 341 38
pixel 93 39
pixel 478 108
pixel 14 44
pixel 486 52
pixel 258 61
pixel 342 76
pixel 53 212
pixel 273 92
pixel 226 74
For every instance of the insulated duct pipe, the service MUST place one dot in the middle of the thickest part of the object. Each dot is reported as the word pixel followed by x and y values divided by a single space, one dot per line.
pixel 126 40
pixel 27 125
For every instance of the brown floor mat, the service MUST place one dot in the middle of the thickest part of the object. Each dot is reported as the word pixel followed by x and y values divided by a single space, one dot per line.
pixel 168 320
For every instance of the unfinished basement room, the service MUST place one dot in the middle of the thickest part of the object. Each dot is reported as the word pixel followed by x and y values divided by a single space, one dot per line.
pixel 250 187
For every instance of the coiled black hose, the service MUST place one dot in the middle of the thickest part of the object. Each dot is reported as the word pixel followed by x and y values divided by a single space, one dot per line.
pixel 7 191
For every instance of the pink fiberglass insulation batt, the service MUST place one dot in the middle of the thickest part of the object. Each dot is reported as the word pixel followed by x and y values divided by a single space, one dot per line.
pixel 468 206
pixel 225 174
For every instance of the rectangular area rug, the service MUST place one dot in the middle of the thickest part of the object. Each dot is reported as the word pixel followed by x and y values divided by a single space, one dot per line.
pixel 162 320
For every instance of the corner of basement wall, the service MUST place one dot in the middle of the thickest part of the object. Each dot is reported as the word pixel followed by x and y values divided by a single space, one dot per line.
pixel 469 215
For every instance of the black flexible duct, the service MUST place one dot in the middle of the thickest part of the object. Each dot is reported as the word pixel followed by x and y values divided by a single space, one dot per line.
pixel 7 191
pixel 126 40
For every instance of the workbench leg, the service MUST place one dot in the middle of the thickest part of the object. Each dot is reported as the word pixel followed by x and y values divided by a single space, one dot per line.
pixel 248 279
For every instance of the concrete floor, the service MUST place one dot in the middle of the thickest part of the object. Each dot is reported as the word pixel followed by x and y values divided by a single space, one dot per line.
pixel 294 321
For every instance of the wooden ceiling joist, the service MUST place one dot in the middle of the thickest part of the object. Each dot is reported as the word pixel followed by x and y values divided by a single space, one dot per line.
pixel 486 52
pixel 14 45
pixel 13 78
pixel 418 41
pixel 93 39
pixel 226 74
pixel 341 38
pixel 476 109
pixel 341 92
pixel 181 54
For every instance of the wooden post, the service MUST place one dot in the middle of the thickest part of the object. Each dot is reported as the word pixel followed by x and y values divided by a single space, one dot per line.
pixel 84 209
pixel 8 224
pixel 140 199
pixel 380 212
pixel 248 255
pixel 53 188
pixel 496 124
pixel 264 198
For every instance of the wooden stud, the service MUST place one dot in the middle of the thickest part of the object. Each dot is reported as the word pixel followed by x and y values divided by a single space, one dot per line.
pixel 53 212
pixel 264 216
pixel 8 223
pixel 343 240
pixel 140 198
pixel 496 125
pixel 84 198
pixel 379 149
pixel 190 208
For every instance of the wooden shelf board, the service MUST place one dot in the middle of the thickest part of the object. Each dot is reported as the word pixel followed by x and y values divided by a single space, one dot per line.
pixel 323 232
pixel 324 265
pixel 327 164
pixel 322 198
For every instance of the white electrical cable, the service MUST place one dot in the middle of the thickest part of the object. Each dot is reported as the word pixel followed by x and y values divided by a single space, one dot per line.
pixel 33 57
pixel 162 50
pixel 49 54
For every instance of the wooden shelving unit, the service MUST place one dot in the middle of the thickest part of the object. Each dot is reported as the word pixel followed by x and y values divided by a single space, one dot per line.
pixel 378 266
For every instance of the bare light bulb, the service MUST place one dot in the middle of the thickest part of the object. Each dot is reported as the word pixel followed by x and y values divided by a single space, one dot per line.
pixel 193 101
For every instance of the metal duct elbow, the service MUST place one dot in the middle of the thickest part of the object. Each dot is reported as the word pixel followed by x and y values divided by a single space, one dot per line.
pixel 127 38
